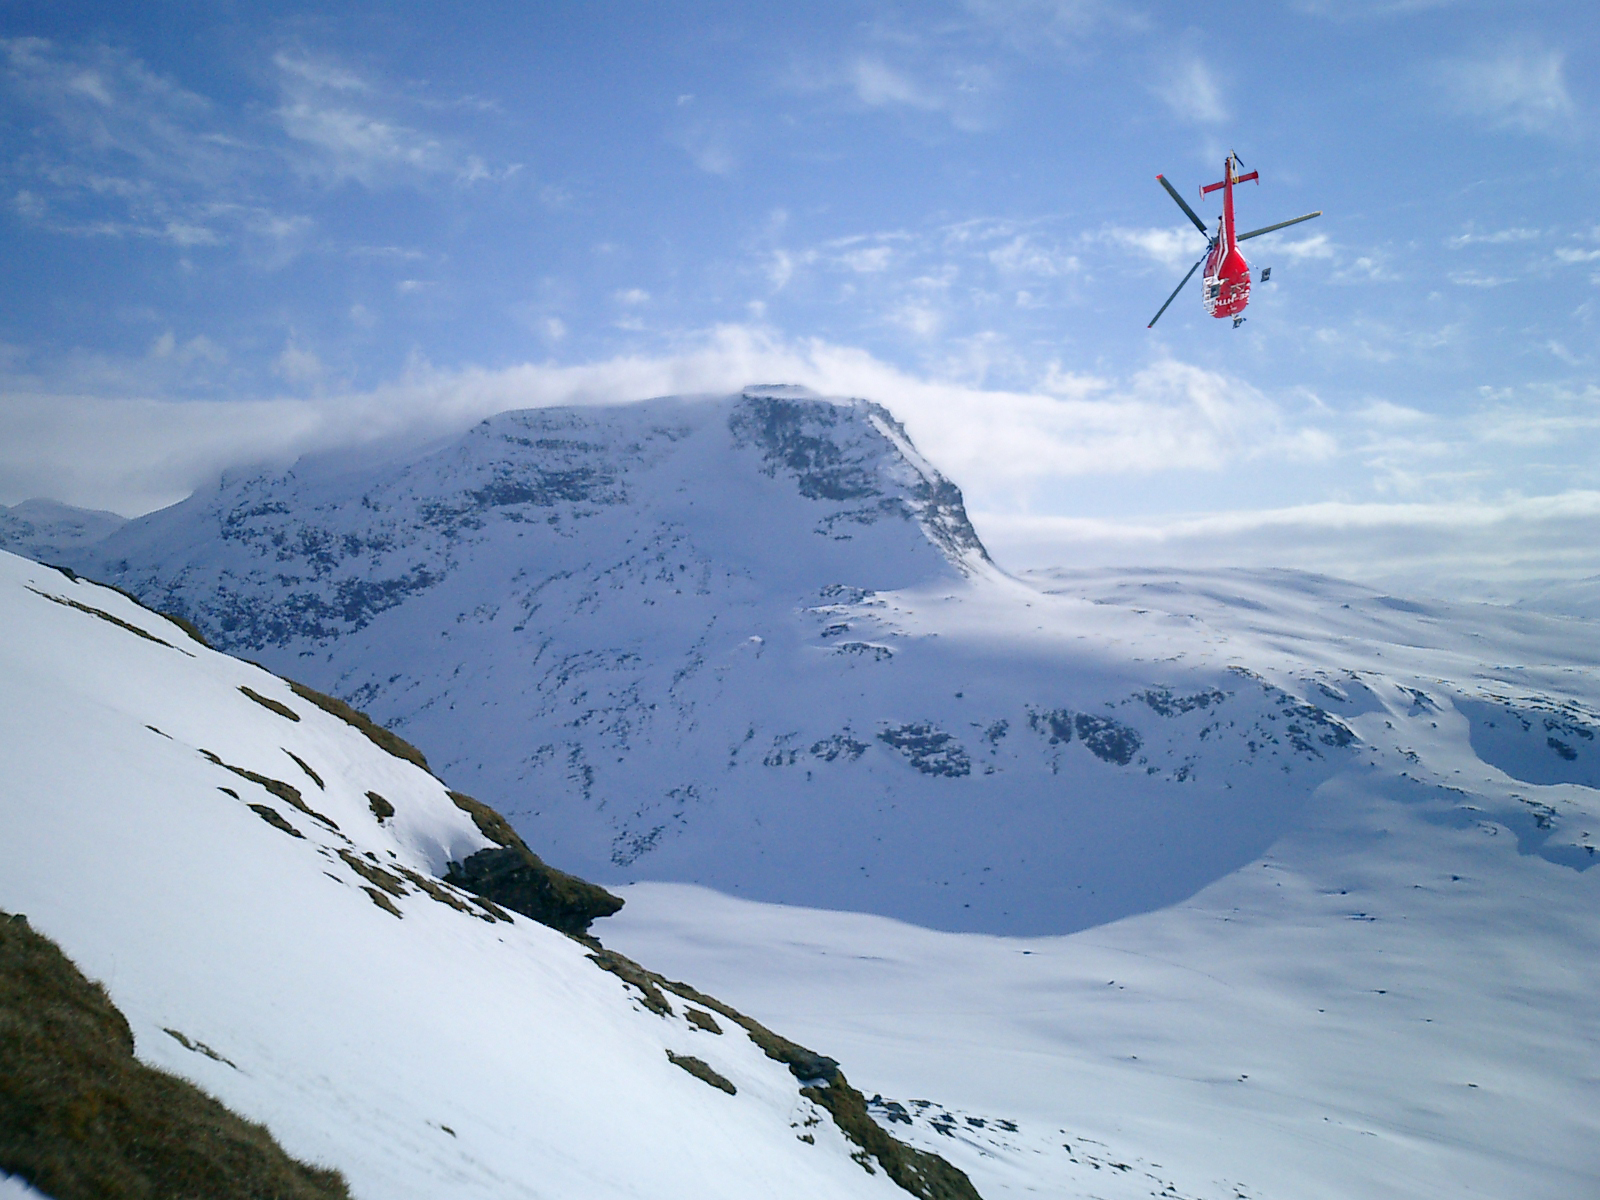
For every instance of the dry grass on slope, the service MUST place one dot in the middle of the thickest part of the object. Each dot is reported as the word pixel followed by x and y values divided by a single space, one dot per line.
pixel 82 1119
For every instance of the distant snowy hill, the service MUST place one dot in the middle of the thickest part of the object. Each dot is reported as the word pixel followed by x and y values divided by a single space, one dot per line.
pixel 47 531
pixel 752 642
pixel 259 879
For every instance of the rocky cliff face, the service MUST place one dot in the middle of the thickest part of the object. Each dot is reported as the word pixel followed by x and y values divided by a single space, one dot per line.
pixel 316 553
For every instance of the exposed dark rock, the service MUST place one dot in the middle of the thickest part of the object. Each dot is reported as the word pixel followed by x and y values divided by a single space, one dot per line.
pixel 801 435
pixel 1054 724
pixel 924 1175
pixel 838 745
pixel 929 750
pixel 1108 739
pixel 1165 704
pixel 380 807
pixel 514 877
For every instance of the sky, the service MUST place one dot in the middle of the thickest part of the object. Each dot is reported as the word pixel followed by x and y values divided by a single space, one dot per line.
pixel 237 232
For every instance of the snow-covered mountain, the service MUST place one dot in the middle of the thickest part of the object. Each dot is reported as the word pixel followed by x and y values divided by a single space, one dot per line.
pixel 750 642
pixel 49 531
pixel 260 878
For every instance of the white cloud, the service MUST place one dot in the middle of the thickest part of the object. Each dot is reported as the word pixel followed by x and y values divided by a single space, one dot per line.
pixel 959 92
pixel 1489 550
pixel 1024 255
pixel 1174 247
pixel 632 296
pixel 335 119
pixel 878 85
pixel 134 454
pixel 126 152
pixel 1192 92
pixel 709 145
pixel 296 365
pixel 867 260
pixel 1316 246
pixel 1522 89
pixel 196 349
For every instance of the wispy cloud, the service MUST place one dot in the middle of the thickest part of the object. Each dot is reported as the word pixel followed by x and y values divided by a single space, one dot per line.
pixel 339 122
pixel 1032 26
pixel 1366 10
pixel 877 85
pixel 958 92
pixel 1523 89
pixel 1498 237
pixel 1192 92
pixel 131 153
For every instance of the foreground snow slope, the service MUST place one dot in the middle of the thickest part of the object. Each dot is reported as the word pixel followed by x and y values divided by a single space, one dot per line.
pixel 226 871
pixel 1395 999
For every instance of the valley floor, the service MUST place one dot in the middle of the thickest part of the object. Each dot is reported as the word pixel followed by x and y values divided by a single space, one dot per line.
pixel 1393 1002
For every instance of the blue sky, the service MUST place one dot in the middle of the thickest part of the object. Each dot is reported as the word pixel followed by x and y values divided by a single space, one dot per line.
pixel 234 232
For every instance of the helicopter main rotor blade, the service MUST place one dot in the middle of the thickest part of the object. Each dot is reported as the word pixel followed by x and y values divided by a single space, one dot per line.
pixel 1175 292
pixel 1183 204
pixel 1280 225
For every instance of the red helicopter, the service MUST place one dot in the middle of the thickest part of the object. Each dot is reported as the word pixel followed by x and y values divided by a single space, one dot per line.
pixel 1227 277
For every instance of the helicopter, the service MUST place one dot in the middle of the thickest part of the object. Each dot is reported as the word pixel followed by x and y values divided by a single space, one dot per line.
pixel 1227 278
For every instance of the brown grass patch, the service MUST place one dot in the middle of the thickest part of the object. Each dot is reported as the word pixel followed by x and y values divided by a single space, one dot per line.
pixel 702 1070
pixel 306 767
pixel 286 792
pixel 702 1020
pixel 383 902
pixel 380 807
pixel 82 1119
pixel 271 705
pixel 374 874
pixel 105 616
pixel 274 818
pixel 376 734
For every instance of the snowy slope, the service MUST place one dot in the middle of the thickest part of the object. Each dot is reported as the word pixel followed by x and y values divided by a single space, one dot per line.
pixel 749 642
pixel 255 875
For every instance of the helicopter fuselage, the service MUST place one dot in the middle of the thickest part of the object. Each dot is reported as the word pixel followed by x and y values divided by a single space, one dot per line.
pixel 1225 287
